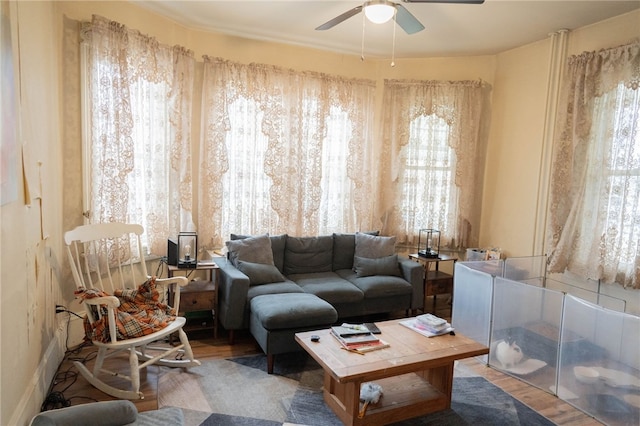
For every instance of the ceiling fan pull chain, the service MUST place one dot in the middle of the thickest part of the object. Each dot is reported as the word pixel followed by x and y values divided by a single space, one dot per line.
pixel 362 47
pixel 393 45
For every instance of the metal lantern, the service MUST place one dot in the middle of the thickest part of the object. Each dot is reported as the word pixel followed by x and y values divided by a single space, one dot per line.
pixel 429 243
pixel 187 250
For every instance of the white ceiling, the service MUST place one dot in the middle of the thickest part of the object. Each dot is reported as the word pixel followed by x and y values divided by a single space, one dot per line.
pixel 451 29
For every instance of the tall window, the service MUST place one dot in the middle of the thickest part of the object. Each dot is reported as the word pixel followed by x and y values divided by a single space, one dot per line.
pixel 137 120
pixel 594 225
pixel 284 152
pixel 429 198
pixel 432 160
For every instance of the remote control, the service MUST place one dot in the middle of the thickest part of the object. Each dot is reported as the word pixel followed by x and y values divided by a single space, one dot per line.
pixel 372 327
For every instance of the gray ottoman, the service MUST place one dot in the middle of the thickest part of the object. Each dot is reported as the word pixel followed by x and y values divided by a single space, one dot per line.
pixel 275 318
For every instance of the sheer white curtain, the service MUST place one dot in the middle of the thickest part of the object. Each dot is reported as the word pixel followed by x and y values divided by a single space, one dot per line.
pixel 434 142
pixel 284 152
pixel 594 218
pixel 138 96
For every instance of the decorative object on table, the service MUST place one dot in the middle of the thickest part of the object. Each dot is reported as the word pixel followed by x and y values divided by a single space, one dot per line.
pixel 187 250
pixel 430 240
pixel 370 393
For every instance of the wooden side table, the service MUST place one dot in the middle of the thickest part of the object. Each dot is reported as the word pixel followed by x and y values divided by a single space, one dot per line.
pixel 200 296
pixel 435 281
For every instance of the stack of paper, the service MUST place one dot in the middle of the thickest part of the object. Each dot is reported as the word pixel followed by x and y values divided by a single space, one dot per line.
pixel 428 325
pixel 431 323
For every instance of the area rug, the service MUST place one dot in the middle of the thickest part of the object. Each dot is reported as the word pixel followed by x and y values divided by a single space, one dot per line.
pixel 238 391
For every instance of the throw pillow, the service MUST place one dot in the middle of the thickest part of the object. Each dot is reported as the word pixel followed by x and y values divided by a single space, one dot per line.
pixel 366 267
pixel 374 247
pixel 344 246
pixel 254 249
pixel 277 247
pixel 259 273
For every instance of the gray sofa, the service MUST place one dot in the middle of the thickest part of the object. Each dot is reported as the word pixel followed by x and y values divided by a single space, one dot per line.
pixel 358 274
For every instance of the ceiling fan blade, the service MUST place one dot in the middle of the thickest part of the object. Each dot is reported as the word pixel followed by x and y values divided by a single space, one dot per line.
pixel 407 21
pixel 445 1
pixel 335 21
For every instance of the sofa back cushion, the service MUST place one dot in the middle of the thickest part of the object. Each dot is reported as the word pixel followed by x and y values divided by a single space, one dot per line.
pixel 303 255
pixel 277 247
pixel 344 246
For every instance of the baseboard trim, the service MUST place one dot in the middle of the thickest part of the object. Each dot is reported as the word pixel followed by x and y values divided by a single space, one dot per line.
pixel 31 401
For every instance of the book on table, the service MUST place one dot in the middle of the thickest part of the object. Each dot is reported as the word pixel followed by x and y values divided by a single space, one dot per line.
pixel 357 340
pixel 428 326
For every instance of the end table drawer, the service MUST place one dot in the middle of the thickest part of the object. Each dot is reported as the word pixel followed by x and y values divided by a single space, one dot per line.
pixel 197 296
pixel 196 302
pixel 438 282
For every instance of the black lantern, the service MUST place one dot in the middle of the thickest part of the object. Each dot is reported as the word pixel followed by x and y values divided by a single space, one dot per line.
pixel 429 243
pixel 187 250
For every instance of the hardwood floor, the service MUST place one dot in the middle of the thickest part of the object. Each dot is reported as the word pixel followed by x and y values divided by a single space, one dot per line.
pixel 76 390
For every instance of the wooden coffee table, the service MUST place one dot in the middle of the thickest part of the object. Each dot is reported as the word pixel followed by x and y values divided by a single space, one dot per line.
pixel 415 372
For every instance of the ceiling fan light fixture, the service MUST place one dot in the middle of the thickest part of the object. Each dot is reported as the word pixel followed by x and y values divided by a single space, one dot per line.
pixel 379 12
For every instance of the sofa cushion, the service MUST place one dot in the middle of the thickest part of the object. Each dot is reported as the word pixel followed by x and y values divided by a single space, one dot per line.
pixel 259 273
pixel 377 286
pixel 253 249
pixel 277 247
pixel 293 310
pixel 366 267
pixel 344 246
pixel 273 288
pixel 374 247
pixel 308 254
pixel 328 286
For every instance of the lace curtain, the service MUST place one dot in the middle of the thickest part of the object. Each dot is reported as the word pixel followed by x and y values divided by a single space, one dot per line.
pixel 594 219
pixel 434 141
pixel 139 102
pixel 284 152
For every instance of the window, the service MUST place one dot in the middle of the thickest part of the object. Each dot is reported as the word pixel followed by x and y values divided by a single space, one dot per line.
pixel 284 152
pixel 429 194
pixel 431 156
pixel 594 225
pixel 136 131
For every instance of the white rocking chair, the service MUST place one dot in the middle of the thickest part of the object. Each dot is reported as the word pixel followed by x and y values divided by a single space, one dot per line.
pixel 108 257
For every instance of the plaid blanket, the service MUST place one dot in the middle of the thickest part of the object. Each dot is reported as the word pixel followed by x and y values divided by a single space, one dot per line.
pixel 140 313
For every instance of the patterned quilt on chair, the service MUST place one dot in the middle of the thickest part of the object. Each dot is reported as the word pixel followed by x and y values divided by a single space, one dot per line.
pixel 140 313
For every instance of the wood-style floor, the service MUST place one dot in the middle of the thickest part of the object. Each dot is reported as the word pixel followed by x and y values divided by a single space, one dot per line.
pixel 76 390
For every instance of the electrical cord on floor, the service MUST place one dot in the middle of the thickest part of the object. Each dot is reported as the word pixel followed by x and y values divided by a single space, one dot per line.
pixel 55 398
pixel 61 309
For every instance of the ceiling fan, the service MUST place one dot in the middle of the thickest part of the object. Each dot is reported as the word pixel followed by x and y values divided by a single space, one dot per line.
pixel 381 11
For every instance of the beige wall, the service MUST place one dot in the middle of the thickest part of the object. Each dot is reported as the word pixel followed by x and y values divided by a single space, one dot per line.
pixel 514 151
pixel 32 338
pixel 31 226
